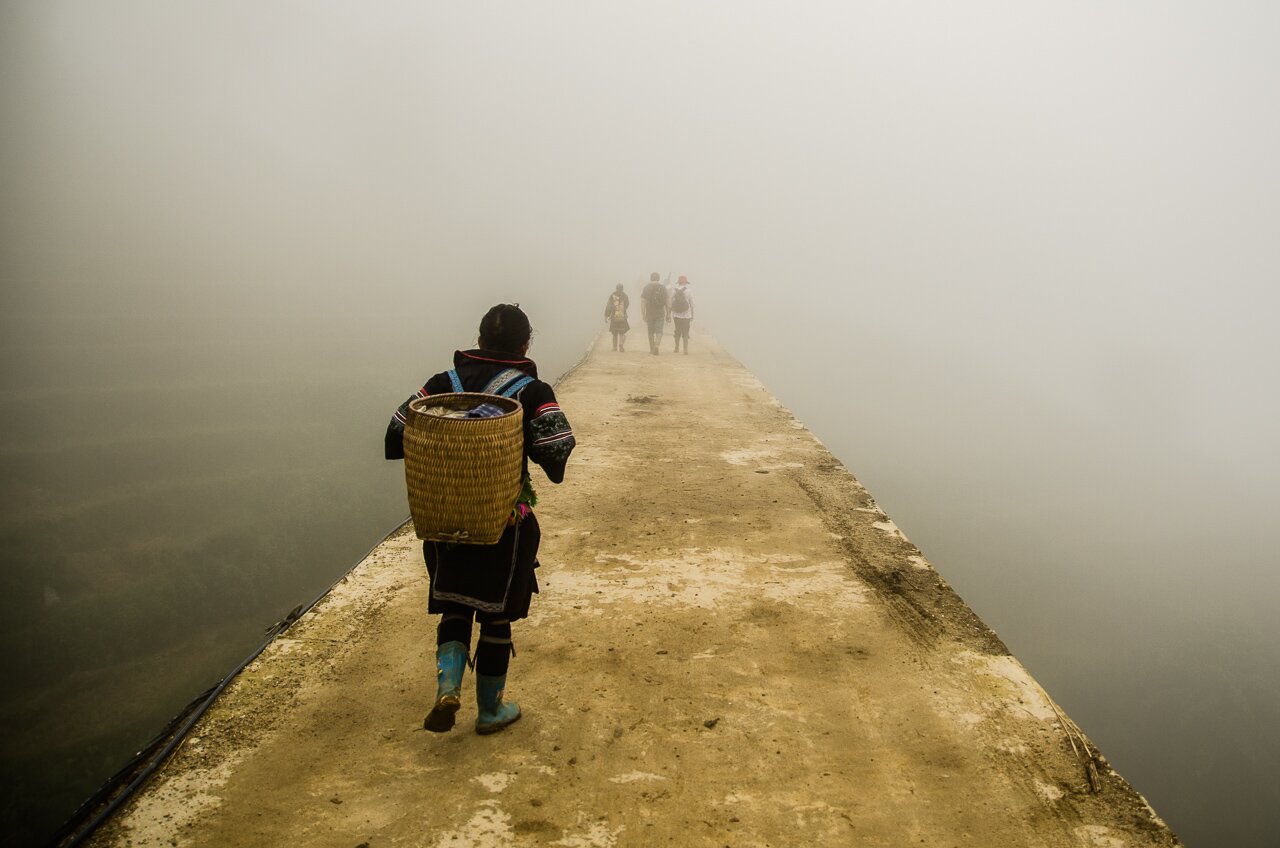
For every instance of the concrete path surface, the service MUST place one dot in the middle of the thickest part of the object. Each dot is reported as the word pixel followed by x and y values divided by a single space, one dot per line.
pixel 733 646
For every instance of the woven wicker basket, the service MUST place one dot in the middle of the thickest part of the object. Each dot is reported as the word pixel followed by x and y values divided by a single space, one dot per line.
pixel 463 474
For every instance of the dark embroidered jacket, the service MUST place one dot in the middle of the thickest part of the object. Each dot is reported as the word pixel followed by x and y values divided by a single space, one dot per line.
pixel 548 438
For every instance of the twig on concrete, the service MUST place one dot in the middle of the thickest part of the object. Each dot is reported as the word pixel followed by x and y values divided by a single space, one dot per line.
pixel 1089 759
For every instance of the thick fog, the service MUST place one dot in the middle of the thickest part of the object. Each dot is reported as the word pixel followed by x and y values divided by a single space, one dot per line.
pixel 1015 264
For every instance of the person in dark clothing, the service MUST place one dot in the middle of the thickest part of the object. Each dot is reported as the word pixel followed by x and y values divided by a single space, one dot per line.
pixel 653 306
pixel 615 313
pixel 492 584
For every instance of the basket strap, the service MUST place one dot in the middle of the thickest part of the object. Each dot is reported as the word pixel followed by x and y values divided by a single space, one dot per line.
pixel 501 379
pixel 508 383
pixel 514 388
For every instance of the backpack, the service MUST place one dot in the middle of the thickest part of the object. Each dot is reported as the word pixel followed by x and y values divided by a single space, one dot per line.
pixel 656 296
pixel 619 313
pixel 680 302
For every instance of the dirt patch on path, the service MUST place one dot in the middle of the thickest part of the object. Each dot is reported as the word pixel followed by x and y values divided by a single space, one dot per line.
pixel 733 646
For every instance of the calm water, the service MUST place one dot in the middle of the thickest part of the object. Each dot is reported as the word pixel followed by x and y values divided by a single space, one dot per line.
pixel 174 484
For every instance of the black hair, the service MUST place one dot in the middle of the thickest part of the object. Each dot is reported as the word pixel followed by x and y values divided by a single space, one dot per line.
pixel 505 328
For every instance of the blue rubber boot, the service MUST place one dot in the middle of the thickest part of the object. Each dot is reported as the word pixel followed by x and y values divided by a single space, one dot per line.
pixel 494 714
pixel 451 663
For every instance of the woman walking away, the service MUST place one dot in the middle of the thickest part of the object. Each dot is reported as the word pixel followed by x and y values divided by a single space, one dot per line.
pixel 492 584
pixel 615 313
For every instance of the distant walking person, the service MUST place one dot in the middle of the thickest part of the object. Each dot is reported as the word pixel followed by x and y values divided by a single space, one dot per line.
pixel 653 309
pixel 491 583
pixel 681 309
pixel 615 313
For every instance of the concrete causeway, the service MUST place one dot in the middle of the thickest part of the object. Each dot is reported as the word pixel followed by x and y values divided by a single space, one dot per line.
pixel 733 646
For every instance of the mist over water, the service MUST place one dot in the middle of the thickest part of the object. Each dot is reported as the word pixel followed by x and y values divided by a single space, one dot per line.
pixel 174 485
pixel 1015 266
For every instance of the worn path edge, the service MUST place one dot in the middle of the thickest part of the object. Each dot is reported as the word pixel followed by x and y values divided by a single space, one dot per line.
pixel 733 645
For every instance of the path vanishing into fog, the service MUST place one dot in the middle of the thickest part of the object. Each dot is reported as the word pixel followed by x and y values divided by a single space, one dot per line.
pixel 733 646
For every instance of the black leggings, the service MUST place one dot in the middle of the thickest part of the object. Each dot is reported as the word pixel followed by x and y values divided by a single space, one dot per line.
pixel 493 651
